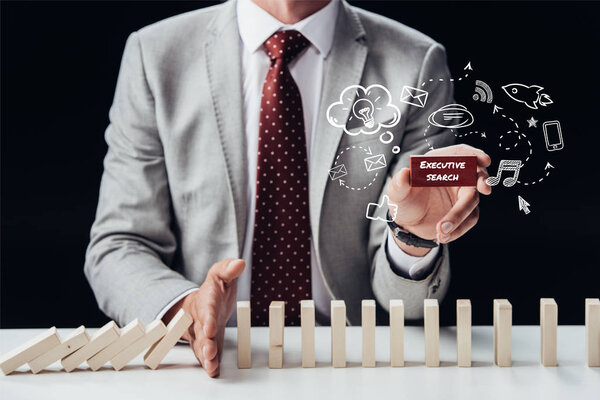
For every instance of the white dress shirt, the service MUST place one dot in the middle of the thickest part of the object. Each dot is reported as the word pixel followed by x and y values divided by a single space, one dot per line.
pixel 255 27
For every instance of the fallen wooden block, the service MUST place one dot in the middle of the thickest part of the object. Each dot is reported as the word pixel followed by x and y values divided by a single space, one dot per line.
pixel 307 320
pixel 244 350
pixel 432 333
pixel 152 334
pixel 463 333
pixel 29 350
pixel 368 333
pixel 592 331
pixel 175 329
pixel 338 333
pixel 129 334
pixel 99 340
pixel 74 341
pixel 502 333
pixel 276 325
pixel 548 327
pixel 397 333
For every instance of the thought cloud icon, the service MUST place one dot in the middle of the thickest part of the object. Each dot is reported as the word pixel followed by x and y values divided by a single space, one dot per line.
pixel 451 116
pixel 363 110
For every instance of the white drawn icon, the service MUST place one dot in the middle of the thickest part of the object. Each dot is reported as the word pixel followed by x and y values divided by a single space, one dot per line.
pixel 451 116
pixel 390 137
pixel 337 172
pixel 496 109
pixel 532 122
pixel 414 96
pixel 553 135
pixel 523 205
pixel 374 208
pixel 363 110
pixel 375 162
pixel 531 96
pixel 506 165
pixel 468 67
pixel 396 149
pixel 483 92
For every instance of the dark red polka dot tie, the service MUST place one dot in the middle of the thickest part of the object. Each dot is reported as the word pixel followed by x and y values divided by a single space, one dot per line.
pixel 281 247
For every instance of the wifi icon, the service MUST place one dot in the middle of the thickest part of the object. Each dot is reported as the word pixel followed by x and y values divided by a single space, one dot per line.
pixel 483 92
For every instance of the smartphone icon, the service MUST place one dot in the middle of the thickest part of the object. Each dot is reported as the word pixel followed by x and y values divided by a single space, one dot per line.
pixel 553 135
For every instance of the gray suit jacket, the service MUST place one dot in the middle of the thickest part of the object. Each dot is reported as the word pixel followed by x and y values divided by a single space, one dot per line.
pixel 173 193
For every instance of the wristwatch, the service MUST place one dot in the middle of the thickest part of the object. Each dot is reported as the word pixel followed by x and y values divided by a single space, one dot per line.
pixel 407 237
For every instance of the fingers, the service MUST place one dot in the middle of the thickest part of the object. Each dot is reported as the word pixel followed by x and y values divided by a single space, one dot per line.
pixel 399 187
pixel 205 350
pixel 468 199
pixel 228 269
pixel 482 186
pixel 463 228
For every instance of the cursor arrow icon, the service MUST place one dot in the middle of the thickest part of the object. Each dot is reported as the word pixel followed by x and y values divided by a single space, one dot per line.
pixel 523 205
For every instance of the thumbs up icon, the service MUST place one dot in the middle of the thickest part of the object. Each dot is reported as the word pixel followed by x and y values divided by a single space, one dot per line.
pixel 378 211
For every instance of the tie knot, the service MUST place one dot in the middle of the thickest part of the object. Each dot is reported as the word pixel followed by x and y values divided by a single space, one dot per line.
pixel 285 45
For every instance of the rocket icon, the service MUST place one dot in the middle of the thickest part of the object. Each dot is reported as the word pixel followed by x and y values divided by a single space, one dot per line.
pixel 532 95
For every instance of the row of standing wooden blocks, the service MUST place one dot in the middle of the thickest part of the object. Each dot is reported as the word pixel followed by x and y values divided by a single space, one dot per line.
pixel 502 333
pixel 108 344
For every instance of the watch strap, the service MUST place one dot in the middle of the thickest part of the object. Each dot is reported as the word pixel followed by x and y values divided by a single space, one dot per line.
pixel 407 237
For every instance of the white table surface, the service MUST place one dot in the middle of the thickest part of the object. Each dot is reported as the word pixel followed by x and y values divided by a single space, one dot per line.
pixel 180 377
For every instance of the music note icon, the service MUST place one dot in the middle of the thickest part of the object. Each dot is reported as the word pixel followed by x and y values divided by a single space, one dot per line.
pixel 506 165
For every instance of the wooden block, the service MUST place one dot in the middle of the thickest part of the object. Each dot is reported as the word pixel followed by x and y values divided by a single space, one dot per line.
pixel 244 349
pixel 99 340
pixel 129 334
pixel 368 333
pixel 276 325
pixel 463 333
pixel 548 327
pixel 338 333
pixel 592 330
pixel 29 350
pixel 153 333
pixel 502 333
pixel 307 319
pixel 74 341
pixel 175 329
pixel 432 333
pixel 397 333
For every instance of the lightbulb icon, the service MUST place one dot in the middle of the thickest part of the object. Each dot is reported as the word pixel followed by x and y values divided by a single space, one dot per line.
pixel 363 110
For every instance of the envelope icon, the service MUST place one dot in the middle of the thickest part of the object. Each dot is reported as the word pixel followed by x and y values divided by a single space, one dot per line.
pixel 375 162
pixel 337 172
pixel 414 96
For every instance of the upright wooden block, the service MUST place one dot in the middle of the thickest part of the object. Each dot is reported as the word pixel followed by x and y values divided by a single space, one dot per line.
pixel 307 320
pixel 548 328
pixel 276 325
pixel 244 350
pixel 74 341
pixel 338 333
pixel 175 329
pixel 592 329
pixel 129 334
pixel 463 333
pixel 432 333
pixel 153 333
pixel 368 333
pixel 102 338
pixel 502 333
pixel 397 333
pixel 29 350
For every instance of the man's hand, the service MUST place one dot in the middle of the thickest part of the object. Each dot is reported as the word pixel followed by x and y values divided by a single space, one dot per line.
pixel 210 306
pixel 445 213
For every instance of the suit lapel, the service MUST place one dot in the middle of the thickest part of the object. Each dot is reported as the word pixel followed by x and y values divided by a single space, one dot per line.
pixel 345 65
pixel 222 53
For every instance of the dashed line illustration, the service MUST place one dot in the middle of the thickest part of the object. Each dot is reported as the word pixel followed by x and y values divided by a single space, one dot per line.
pixel 547 168
pixel 342 182
pixel 465 76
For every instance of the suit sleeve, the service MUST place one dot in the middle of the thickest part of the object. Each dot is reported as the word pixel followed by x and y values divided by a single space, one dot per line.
pixel 132 243
pixel 387 284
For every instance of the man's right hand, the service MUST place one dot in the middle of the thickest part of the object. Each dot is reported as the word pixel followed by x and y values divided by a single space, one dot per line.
pixel 210 306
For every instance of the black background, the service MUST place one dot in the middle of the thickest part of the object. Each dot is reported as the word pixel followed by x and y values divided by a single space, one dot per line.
pixel 59 66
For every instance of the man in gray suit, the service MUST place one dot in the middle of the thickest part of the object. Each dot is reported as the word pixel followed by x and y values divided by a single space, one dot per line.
pixel 218 159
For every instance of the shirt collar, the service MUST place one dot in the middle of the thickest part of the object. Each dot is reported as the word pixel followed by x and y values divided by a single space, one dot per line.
pixel 256 25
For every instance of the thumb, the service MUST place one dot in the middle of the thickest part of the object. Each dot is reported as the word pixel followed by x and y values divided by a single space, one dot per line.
pixel 229 269
pixel 399 186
